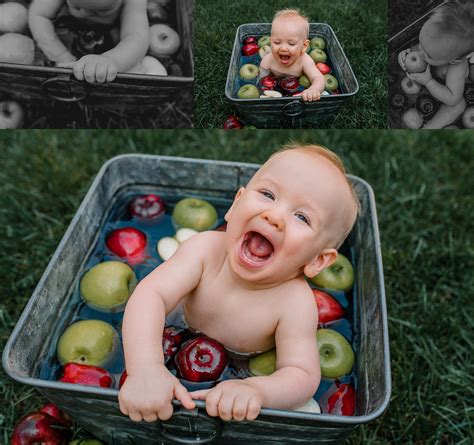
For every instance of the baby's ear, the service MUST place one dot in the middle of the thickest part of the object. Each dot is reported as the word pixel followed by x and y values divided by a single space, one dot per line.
pixel 237 197
pixel 320 262
pixel 305 46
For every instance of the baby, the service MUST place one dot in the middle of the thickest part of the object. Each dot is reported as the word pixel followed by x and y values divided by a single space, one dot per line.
pixel 288 57
pixel 446 43
pixel 245 288
pixel 134 35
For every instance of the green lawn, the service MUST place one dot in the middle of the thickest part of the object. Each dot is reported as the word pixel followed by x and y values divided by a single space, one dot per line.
pixel 423 186
pixel 359 26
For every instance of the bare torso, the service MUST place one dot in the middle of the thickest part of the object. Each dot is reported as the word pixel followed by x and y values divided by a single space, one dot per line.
pixel 279 70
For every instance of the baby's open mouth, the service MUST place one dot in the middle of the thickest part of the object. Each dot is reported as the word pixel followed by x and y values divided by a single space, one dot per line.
pixel 256 249
pixel 284 59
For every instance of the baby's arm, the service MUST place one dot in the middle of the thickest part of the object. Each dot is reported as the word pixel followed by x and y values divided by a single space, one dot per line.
pixel 297 374
pixel 40 19
pixel 318 83
pixel 149 389
pixel 452 92
pixel 265 65
pixel 133 45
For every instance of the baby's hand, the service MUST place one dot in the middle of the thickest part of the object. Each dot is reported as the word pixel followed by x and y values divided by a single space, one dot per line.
pixel 94 68
pixel 421 78
pixel 402 57
pixel 148 394
pixel 231 399
pixel 311 95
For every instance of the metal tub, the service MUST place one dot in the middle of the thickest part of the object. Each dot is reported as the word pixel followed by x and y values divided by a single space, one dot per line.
pixel 97 409
pixel 291 111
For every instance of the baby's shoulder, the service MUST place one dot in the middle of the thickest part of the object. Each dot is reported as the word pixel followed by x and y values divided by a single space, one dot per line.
pixel 296 292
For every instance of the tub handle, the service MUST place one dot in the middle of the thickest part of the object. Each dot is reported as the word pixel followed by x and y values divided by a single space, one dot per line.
pixel 195 437
pixel 294 108
pixel 74 91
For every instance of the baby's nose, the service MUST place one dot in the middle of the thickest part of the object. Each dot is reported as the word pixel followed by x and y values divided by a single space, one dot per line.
pixel 275 219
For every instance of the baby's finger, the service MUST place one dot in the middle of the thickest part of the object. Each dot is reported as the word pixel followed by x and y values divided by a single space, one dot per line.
pixel 101 72
pixel 89 72
pixel 78 69
pixel 165 412
pixel 150 417
pixel 135 416
pixel 212 402
pixel 239 410
pixel 111 73
pixel 65 64
pixel 181 393
pixel 199 395
pixel 253 409
pixel 225 406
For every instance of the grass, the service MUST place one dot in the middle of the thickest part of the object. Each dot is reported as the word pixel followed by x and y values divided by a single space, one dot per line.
pixel 423 187
pixel 361 30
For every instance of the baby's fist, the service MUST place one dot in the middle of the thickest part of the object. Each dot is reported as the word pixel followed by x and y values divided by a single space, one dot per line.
pixel 95 68
pixel 311 95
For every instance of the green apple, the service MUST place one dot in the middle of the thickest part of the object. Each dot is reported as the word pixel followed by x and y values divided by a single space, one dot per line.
pixel 335 353
pixel 249 71
pixel 196 213
pixel 88 342
pixel 263 364
pixel 108 285
pixel 304 81
pixel 331 82
pixel 317 43
pixel 248 92
pixel 264 50
pixel 86 442
pixel 339 275
pixel 264 41
pixel 318 55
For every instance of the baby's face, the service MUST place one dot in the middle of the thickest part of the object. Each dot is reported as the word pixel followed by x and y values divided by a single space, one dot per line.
pixel 93 8
pixel 287 215
pixel 289 39
pixel 436 49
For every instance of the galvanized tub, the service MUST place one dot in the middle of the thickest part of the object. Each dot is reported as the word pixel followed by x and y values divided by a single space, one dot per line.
pixel 291 112
pixel 407 38
pixel 42 82
pixel 97 409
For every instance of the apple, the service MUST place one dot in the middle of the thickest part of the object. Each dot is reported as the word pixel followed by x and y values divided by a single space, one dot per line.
pixel 86 375
pixel 249 39
pixel 414 63
pixel 329 308
pixel 270 93
pixel 342 401
pixel 88 342
pixel 451 127
pixel 150 66
pixel 339 275
pixel 331 82
pixel 263 364
pixel 86 442
pixel 426 104
pixel 264 41
pixel 164 40
pixel 16 48
pixel 13 17
pixel 123 377
pixel 398 101
pixel 222 227
pixel 317 43
pixel 128 243
pixel 412 118
pixel 249 71
pixel 195 213
pixel 336 354
pixel 201 359
pixel 264 50
pixel 156 12
pixel 310 407
pixel 409 86
pixel 289 84
pixel 11 115
pixel 318 55
pixel 107 286
pixel 248 92
pixel 267 83
pixel 147 206
pixel 54 411
pixel 468 117
pixel 166 247
pixel 40 428
pixel 232 123
pixel 323 68
pixel 304 81
pixel 250 49
pixel 184 233
pixel 172 339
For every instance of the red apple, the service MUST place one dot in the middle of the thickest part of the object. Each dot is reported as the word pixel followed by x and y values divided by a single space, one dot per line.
pixel 55 412
pixel 201 359
pixel 329 308
pixel 250 49
pixel 172 340
pixel 249 40
pixel 147 206
pixel 323 68
pixel 233 123
pixel 289 84
pixel 222 227
pixel 86 375
pixel 127 242
pixel 123 377
pixel 267 83
pixel 342 401
pixel 40 428
pixel 414 63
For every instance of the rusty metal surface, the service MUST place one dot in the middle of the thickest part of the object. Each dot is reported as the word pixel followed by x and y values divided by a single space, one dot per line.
pixel 96 409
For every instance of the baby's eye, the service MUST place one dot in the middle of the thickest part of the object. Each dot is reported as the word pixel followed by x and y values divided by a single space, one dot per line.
pixel 267 194
pixel 303 218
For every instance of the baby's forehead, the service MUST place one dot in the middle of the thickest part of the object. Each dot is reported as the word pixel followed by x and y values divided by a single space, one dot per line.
pixel 292 22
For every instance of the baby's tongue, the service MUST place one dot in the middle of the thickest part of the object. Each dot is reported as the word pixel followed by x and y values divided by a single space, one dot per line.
pixel 259 246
